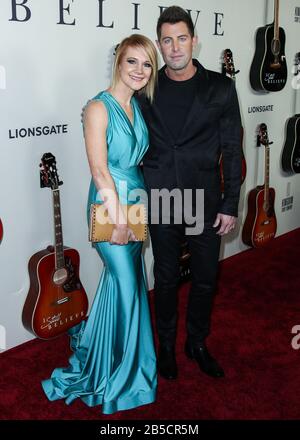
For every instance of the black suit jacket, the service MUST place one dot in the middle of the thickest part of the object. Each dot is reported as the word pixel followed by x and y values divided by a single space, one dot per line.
pixel 212 127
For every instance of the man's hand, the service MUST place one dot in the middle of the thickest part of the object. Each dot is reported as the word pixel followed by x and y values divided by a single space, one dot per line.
pixel 225 222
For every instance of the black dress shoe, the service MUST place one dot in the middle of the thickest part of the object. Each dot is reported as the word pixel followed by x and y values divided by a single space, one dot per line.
pixel 166 363
pixel 206 362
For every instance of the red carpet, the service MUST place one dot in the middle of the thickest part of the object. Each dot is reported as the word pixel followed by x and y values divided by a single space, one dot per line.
pixel 255 309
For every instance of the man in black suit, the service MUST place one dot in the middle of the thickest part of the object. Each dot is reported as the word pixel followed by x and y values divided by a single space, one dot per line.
pixel 193 119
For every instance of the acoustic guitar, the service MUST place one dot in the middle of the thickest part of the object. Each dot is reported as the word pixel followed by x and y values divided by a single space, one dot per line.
pixel 228 69
pixel 260 225
pixel 56 300
pixel 290 158
pixel 268 70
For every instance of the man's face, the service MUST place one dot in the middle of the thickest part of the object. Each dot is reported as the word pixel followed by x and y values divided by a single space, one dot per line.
pixel 176 45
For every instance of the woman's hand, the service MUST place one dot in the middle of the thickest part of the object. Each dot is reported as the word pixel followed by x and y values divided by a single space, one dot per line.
pixel 122 234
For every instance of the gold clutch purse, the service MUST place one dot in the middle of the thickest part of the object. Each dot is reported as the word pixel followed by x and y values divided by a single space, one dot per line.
pixel 100 227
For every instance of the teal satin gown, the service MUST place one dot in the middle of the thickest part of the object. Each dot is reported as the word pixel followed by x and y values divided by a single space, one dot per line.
pixel 113 362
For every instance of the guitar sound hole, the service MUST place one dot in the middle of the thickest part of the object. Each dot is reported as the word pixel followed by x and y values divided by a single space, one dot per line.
pixel 60 276
pixel 275 47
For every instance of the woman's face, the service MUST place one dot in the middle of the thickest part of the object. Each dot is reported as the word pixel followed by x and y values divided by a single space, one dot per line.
pixel 135 68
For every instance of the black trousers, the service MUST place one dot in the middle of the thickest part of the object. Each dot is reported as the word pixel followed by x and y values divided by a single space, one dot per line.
pixel 204 249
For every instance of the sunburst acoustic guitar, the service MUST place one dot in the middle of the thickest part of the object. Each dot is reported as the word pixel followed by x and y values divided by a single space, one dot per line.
pixel 260 225
pixel 56 300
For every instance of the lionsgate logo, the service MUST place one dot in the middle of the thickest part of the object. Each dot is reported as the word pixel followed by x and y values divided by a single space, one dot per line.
pixel 46 130
pixel 260 108
pixel 297 14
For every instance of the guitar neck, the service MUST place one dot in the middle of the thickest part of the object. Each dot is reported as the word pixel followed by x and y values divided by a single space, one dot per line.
pixel 58 236
pixel 267 177
pixel 295 106
pixel 276 19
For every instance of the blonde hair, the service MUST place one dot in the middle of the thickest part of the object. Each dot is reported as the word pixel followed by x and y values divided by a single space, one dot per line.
pixel 137 40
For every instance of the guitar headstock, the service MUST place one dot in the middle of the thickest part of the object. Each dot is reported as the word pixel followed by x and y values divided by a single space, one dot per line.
pixel 262 137
pixel 228 64
pixel 48 172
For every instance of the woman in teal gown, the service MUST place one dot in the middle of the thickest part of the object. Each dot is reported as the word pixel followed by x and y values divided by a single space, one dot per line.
pixel 113 362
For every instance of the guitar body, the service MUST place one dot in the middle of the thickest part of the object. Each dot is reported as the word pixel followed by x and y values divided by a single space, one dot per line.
pixel 290 159
pixel 260 225
pixel 264 76
pixel 52 308
pixel 244 164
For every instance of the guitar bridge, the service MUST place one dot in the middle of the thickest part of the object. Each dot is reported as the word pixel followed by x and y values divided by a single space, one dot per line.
pixel 275 65
pixel 62 300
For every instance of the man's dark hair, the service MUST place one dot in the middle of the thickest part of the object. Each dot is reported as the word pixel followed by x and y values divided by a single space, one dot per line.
pixel 172 15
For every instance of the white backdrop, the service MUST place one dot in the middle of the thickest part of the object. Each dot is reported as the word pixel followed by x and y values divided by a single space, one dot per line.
pixel 47 73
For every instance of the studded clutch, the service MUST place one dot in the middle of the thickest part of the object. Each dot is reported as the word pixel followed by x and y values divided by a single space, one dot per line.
pixel 101 227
